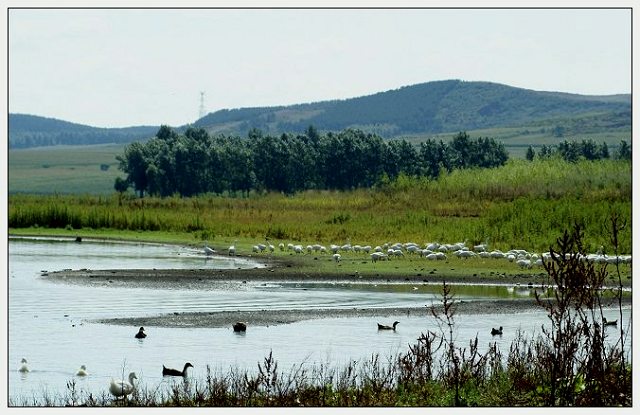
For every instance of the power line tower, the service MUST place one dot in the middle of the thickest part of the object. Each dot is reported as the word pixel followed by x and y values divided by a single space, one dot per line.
pixel 202 112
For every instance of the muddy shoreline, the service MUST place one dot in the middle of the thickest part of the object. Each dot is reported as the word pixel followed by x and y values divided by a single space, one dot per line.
pixel 278 272
pixel 277 317
pixel 275 270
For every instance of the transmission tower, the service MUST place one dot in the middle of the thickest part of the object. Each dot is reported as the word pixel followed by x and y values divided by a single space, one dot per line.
pixel 202 110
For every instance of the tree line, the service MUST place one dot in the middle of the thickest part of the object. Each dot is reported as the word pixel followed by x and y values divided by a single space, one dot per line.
pixel 195 162
pixel 573 151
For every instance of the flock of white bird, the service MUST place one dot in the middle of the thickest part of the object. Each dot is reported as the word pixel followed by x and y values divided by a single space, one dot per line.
pixel 119 388
pixel 432 251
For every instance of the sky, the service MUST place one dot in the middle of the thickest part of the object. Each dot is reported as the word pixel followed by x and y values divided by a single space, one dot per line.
pixel 125 67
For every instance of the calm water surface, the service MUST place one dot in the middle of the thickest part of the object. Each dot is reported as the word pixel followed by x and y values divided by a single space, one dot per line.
pixel 50 324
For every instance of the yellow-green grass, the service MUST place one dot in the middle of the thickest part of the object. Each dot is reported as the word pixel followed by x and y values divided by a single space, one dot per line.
pixel 64 169
pixel 522 205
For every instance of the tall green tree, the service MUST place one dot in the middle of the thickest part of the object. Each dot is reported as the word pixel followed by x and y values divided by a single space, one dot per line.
pixel 530 154
pixel 603 151
pixel 462 150
pixel 624 151
pixel 135 163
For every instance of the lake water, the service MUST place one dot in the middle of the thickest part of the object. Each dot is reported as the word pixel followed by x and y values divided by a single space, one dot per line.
pixel 52 324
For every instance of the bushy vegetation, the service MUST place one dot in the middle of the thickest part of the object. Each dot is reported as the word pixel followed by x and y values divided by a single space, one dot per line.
pixel 517 205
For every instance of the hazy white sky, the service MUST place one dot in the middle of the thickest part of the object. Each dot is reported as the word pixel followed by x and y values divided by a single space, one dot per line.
pixel 119 67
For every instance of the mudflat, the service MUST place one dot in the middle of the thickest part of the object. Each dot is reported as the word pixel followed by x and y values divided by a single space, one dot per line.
pixel 283 271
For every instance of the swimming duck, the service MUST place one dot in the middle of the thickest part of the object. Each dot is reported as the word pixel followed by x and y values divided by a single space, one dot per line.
pixel 609 323
pixel 82 371
pixel 24 368
pixel 122 388
pixel 496 332
pixel 175 372
pixel 383 327
pixel 140 334
pixel 240 326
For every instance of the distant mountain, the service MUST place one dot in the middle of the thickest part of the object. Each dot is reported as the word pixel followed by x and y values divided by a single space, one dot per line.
pixel 34 131
pixel 423 109
pixel 428 108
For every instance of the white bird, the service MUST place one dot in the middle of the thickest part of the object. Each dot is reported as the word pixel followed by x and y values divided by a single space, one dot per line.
pixel 82 371
pixel 23 366
pixel 122 388
pixel 208 251
pixel 232 249
pixel 378 256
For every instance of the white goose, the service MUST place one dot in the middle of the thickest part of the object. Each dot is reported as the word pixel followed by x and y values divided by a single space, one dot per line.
pixel 23 366
pixel 82 371
pixel 122 388
pixel 232 249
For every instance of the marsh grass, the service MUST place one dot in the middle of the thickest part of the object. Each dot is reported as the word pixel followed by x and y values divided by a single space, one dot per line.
pixel 515 206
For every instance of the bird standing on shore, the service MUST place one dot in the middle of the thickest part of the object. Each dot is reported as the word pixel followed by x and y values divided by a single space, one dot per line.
pixel 232 249
pixel 209 251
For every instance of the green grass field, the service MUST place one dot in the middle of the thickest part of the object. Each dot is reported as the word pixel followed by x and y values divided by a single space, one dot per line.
pixel 64 169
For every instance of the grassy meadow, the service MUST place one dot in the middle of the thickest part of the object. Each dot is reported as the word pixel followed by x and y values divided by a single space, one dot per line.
pixel 64 169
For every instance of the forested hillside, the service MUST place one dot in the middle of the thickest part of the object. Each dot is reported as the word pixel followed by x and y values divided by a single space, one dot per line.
pixel 418 110
pixel 433 107
pixel 33 131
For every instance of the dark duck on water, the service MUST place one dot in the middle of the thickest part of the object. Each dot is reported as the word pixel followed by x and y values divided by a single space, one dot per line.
pixel 175 372
pixel 240 326
pixel 383 327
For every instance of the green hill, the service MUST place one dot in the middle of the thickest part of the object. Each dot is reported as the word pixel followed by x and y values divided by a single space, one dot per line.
pixel 428 108
pixel 34 131
pixel 414 112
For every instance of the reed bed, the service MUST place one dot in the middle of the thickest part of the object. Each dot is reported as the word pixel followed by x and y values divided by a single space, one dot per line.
pixel 515 206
